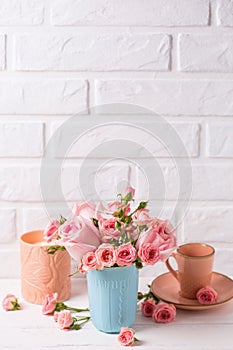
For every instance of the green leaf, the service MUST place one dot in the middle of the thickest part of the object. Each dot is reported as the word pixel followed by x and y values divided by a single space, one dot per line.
pixel 95 222
pixel 62 220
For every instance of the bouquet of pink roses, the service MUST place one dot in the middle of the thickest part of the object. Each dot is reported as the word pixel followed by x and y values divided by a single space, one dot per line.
pixel 99 237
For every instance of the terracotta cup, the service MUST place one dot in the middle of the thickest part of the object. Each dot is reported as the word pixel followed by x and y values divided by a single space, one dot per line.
pixel 195 264
pixel 43 273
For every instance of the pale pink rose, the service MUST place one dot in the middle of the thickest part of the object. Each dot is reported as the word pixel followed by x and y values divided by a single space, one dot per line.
pixel 106 255
pixel 51 230
pixel 164 228
pixel 142 217
pixel 108 230
pixel 49 304
pixel 149 236
pixel 126 336
pixel 10 303
pixel 159 237
pixel 86 210
pixel 55 316
pixel 164 313
pixel 126 254
pixel 207 295
pixel 90 262
pixel 64 319
pixel 79 236
pixel 148 307
pixel 128 190
pixel 149 253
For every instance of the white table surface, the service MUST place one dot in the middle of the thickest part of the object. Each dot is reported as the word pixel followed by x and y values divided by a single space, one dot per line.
pixel 192 330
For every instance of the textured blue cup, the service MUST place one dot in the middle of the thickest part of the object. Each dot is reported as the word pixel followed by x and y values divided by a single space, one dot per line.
pixel 112 295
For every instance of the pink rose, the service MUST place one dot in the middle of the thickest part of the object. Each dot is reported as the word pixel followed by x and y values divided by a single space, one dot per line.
pixel 148 307
pixel 51 230
pixel 79 236
pixel 160 235
pixel 64 319
pixel 207 295
pixel 10 303
pixel 55 316
pixel 164 313
pixel 126 336
pixel 129 190
pixel 149 253
pixel 164 228
pixel 86 210
pixel 106 255
pixel 126 254
pixel 89 262
pixel 142 217
pixel 108 229
pixel 49 304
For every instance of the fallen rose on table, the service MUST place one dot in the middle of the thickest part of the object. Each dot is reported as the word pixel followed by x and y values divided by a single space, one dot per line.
pixel 62 313
pixel 159 311
pixel 10 303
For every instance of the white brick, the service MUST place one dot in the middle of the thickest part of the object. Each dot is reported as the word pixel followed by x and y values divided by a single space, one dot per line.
pixel 93 52
pixel 33 219
pixel 223 262
pixel 9 263
pixel 166 182
pixel 2 51
pixel 21 12
pixel 38 96
pixel 225 13
pixel 8 230
pixel 212 182
pixel 92 180
pixel 170 97
pixel 220 139
pixel 20 183
pixel 134 139
pixel 28 138
pixel 209 224
pixel 205 52
pixel 130 12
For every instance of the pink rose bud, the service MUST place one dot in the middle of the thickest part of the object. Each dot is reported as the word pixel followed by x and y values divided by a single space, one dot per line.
pixel 148 307
pixel 126 254
pixel 126 336
pixel 164 313
pixel 51 230
pixel 10 303
pixel 64 319
pixel 207 295
pixel 49 304
pixel 130 190
pixel 55 316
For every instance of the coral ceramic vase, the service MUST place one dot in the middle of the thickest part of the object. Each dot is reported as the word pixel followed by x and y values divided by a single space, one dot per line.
pixel 43 273
pixel 112 296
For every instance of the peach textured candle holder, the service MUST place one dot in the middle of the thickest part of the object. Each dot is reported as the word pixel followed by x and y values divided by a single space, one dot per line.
pixel 43 273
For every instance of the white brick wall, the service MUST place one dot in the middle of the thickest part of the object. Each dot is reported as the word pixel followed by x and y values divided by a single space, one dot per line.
pixel 62 57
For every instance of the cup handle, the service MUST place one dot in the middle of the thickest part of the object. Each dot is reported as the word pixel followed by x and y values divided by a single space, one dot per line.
pixel 173 272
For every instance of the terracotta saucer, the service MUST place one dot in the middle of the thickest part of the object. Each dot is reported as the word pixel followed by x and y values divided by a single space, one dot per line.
pixel 166 288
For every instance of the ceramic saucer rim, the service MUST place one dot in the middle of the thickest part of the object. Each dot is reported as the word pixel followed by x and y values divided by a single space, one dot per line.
pixel 193 306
